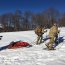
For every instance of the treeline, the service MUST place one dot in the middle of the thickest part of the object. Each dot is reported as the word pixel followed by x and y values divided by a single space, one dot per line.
pixel 20 21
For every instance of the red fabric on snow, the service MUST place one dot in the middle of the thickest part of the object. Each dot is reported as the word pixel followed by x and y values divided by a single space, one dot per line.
pixel 18 45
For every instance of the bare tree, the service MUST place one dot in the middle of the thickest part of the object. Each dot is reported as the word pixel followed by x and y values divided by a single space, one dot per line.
pixel 17 20
pixel 51 15
pixel 27 20
pixel 62 20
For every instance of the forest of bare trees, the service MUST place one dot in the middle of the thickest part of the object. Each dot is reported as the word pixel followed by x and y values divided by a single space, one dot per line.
pixel 20 21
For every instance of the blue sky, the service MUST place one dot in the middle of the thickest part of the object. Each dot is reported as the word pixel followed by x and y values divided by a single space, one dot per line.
pixel 33 5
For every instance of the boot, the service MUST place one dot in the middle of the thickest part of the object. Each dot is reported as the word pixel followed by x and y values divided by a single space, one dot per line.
pixel 51 48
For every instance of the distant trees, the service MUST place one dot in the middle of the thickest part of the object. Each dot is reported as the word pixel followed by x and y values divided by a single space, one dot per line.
pixel 8 22
pixel 62 20
pixel 17 20
pixel 27 20
pixel 51 16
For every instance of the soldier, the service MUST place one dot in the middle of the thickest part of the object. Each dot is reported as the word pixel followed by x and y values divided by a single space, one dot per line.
pixel 39 32
pixel 53 34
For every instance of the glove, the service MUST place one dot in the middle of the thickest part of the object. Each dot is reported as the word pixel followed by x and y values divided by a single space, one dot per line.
pixel 58 31
pixel 42 33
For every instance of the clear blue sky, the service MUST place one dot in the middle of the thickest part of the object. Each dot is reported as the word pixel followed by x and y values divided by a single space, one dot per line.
pixel 33 5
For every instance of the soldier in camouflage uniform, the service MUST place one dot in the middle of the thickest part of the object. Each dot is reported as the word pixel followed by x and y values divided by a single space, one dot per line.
pixel 53 33
pixel 39 32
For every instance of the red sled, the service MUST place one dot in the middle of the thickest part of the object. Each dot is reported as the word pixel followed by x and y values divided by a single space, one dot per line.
pixel 20 44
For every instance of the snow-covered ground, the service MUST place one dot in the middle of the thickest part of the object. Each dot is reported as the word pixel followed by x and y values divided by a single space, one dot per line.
pixel 34 55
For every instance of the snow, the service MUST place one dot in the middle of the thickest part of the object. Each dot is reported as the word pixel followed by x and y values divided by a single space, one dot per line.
pixel 34 55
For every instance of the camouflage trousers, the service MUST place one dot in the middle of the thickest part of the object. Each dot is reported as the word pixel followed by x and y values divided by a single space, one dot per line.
pixel 39 39
pixel 51 42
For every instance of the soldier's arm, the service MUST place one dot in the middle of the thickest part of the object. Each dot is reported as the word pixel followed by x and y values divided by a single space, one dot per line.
pixel 44 31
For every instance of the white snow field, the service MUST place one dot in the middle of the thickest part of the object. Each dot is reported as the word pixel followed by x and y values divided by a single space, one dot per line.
pixel 34 55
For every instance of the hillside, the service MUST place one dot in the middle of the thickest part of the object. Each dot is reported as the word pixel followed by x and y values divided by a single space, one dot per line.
pixel 34 55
